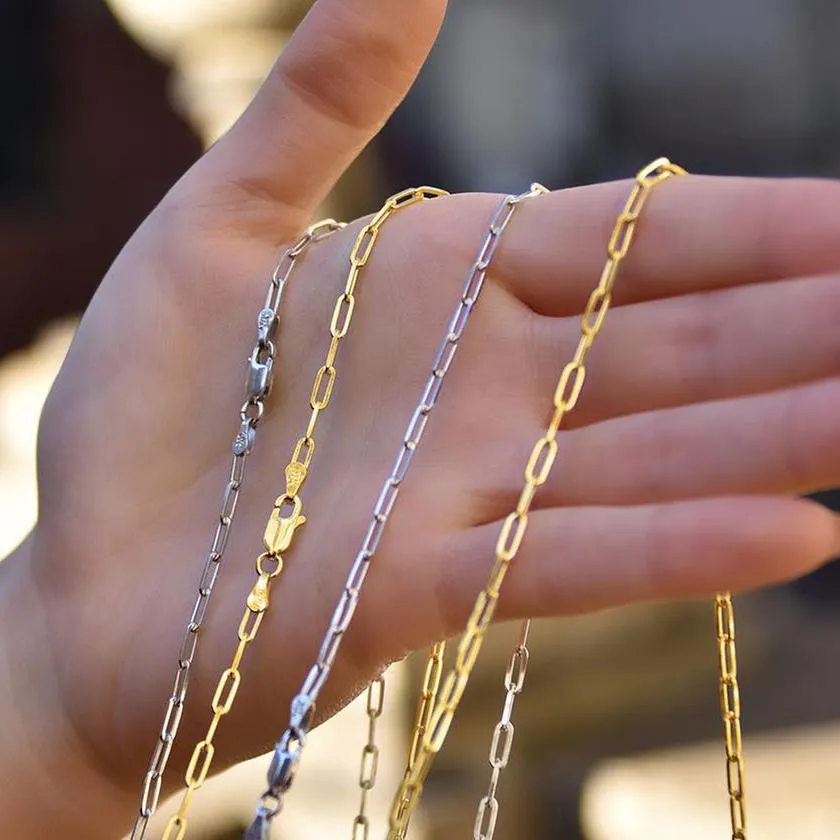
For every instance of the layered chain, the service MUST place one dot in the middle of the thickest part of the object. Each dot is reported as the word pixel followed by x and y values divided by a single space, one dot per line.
pixel 515 525
pixel 289 748
pixel 282 525
pixel 258 387
pixel 730 705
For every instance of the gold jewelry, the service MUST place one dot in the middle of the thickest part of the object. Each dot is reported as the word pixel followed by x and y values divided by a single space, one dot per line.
pixel 287 515
pixel 510 539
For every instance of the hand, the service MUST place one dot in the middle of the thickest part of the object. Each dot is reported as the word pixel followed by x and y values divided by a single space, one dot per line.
pixel 710 403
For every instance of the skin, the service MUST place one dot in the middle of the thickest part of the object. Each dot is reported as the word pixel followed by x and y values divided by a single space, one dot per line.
pixel 711 403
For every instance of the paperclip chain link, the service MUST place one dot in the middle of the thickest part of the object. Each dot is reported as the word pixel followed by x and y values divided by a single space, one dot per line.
pixel 289 747
pixel 513 530
pixel 258 387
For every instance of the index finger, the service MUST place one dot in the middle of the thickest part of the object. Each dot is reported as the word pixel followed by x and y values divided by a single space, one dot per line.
pixel 697 233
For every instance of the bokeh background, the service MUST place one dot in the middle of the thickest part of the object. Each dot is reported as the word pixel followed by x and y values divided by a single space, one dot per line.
pixel 104 104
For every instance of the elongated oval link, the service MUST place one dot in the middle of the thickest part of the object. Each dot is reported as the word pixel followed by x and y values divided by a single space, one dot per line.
pixel 200 761
pixel 511 536
pixel 411 441
pixel 342 315
pixel 570 386
pixel 541 460
pixel 259 385
pixel 595 312
pixel 226 691
pixel 364 246
pixel 510 539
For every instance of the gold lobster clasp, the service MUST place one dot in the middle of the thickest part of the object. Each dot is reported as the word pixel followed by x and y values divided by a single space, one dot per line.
pixel 281 527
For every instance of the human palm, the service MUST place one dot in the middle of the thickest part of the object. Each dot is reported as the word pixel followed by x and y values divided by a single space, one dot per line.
pixel 710 403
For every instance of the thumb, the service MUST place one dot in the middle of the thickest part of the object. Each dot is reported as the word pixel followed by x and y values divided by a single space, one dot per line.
pixel 345 70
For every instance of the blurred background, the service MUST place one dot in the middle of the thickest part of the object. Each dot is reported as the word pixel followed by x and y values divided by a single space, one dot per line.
pixel 618 734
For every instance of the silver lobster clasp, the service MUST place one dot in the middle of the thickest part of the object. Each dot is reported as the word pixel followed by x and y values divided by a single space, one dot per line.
pixel 258 385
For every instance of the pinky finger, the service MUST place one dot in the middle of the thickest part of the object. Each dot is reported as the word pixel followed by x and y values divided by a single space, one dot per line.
pixel 575 560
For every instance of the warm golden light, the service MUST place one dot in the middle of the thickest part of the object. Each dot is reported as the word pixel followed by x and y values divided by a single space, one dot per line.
pixel 682 793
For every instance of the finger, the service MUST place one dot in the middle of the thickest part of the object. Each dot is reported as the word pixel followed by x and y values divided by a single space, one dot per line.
pixel 582 559
pixel 695 234
pixel 346 68
pixel 700 347
pixel 780 442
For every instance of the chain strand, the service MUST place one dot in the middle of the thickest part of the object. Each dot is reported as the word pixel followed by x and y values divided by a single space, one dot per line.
pixel 730 705
pixel 258 387
pixel 488 808
pixel 282 776
pixel 536 473
pixel 278 535
pixel 434 664
pixel 370 758
pixel 426 702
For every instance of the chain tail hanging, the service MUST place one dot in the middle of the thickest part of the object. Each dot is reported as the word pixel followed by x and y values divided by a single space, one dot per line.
pixel 500 746
pixel 513 530
pixel 730 706
pixel 257 388
pixel 304 702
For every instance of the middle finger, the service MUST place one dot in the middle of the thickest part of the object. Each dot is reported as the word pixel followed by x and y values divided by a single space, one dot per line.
pixel 781 442
pixel 707 346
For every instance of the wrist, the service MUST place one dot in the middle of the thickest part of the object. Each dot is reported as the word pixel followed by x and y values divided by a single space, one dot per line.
pixel 49 786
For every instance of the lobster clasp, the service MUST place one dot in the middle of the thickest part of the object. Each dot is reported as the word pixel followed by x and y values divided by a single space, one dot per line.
pixel 282 526
pixel 258 384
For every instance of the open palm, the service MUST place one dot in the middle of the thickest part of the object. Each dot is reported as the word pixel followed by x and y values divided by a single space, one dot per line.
pixel 711 400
